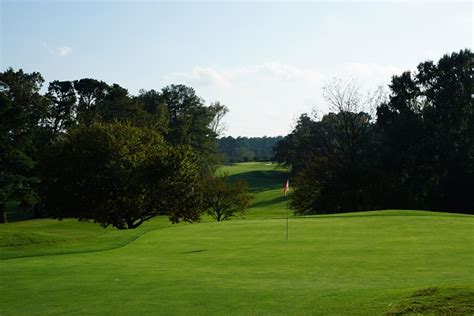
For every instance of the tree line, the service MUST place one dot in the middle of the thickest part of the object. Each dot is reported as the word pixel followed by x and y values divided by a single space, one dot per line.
pixel 243 149
pixel 90 150
pixel 412 148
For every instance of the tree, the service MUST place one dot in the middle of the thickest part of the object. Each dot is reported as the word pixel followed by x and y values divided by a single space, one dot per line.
pixel 23 112
pixel 158 112
pixel 120 175
pixel 90 93
pixel 117 105
pixel 428 127
pixel 247 148
pixel 339 174
pixel 297 148
pixel 224 199
pixel 220 110
pixel 418 154
pixel 189 121
pixel 63 107
pixel 332 158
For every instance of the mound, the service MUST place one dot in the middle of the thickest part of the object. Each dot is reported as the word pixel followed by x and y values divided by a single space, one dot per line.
pixel 436 301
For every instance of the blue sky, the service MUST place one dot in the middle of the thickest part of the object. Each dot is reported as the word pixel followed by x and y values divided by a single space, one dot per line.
pixel 266 61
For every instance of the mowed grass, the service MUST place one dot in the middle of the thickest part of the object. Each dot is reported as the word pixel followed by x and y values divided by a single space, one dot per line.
pixel 369 263
pixel 266 183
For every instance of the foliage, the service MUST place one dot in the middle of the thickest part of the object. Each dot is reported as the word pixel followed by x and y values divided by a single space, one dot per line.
pixel 185 120
pixel 22 116
pixel 330 158
pixel 120 175
pixel 31 122
pixel 419 153
pixel 427 128
pixel 243 149
pixel 224 199
pixel 62 106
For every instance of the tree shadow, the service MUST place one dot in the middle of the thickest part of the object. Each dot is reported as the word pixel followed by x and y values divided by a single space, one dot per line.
pixel 262 180
pixel 265 203
pixel 193 251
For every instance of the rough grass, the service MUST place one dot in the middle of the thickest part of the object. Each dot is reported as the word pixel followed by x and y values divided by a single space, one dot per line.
pixel 436 301
pixel 369 263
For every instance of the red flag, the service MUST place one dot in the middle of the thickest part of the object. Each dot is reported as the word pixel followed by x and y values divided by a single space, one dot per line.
pixel 287 187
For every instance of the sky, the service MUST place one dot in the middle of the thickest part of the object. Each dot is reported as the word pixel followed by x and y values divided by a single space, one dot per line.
pixel 266 61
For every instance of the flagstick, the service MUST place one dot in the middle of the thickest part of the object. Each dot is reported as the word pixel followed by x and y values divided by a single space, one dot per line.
pixel 286 188
pixel 287 211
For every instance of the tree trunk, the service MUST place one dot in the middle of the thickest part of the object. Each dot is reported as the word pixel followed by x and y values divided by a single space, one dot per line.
pixel 3 213
pixel 132 225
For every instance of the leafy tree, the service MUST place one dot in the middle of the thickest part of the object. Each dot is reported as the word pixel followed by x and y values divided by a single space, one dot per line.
pixel 247 148
pixel 118 105
pixel 428 128
pixel 22 114
pixel 90 93
pixel 332 158
pixel 339 174
pixel 62 106
pixel 158 112
pixel 120 175
pixel 189 121
pixel 224 199
pixel 418 154
pixel 297 148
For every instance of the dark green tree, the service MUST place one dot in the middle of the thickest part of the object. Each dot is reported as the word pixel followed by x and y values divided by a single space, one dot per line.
pixel 157 110
pixel 418 154
pixel 118 105
pixel 120 175
pixel 224 199
pixel 429 136
pixel 333 158
pixel 62 106
pixel 189 121
pixel 297 148
pixel 90 93
pixel 23 113
pixel 247 148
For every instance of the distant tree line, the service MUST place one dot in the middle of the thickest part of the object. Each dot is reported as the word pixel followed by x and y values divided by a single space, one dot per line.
pixel 415 151
pixel 90 150
pixel 243 149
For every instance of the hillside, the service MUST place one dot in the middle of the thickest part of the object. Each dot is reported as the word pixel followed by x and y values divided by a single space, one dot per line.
pixel 359 263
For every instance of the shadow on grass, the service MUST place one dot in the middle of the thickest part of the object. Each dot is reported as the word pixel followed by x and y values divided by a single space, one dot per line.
pixel 262 180
pixel 376 213
pixel 266 203
pixel 193 251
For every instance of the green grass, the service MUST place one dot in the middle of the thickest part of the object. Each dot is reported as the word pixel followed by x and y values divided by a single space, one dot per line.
pixel 434 300
pixel 266 183
pixel 369 263
pixel 46 237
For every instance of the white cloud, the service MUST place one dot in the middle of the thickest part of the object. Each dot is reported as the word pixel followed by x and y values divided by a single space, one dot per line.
pixel 62 51
pixel 201 76
pixel 370 73
pixel 265 98
pixel 227 77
